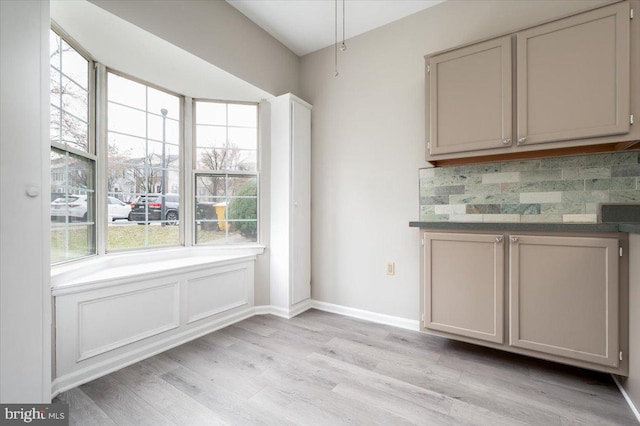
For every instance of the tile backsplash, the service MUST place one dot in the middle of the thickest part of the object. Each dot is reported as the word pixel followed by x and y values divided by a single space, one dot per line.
pixel 553 190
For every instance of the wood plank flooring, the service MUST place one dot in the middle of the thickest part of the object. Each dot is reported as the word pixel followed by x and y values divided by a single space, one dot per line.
pixel 327 369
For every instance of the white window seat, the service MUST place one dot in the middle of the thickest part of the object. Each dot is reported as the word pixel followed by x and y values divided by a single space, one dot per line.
pixel 111 269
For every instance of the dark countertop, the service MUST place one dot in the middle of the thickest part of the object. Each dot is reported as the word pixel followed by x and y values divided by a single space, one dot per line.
pixel 633 228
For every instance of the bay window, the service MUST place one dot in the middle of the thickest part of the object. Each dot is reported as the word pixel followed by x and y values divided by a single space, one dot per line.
pixel 119 176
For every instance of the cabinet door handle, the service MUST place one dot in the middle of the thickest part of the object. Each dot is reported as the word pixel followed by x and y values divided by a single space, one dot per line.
pixel 521 141
pixel 506 141
pixel 499 239
pixel 514 239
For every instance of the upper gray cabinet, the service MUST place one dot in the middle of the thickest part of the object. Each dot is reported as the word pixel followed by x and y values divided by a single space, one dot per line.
pixel 561 85
pixel 573 77
pixel 470 98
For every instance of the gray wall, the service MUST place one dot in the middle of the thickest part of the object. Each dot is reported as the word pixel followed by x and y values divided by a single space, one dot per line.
pixel 25 295
pixel 219 34
pixel 368 144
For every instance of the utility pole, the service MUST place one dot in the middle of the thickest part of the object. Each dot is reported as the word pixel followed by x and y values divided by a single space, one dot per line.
pixel 163 211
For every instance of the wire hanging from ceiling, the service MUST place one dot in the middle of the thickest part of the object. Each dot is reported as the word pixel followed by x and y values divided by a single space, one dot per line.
pixel 343 45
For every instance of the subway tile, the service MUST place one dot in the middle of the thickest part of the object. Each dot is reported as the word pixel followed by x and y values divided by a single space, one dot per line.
pixel 438 199
pixel 541 218
pixel 427 172
pixel 562 208
pixel 522 209
pixel 520 166
pixel 493 188
pixel 579 218
pixel 483 198
pixel 592 208
pixel 448 190
pixel 608 160
pixel 541 175
pixel 501 177
pixel 541 197
pixel 483 209
pixel 548 186
pixel 466 218
pixel 427 190
pixel 626 170
pixel 578 197
pixel 450 209
pixel 501 218
pixel 435 218
pixel 563 162
pixel 446 180
pixel 476 168
pixel 592 173
pixel 624 196
pixel 610 184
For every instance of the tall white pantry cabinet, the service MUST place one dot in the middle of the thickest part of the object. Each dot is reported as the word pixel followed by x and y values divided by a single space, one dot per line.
pixel 290 274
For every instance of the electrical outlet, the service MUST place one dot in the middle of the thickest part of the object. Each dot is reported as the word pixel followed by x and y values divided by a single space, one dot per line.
pixel 391 268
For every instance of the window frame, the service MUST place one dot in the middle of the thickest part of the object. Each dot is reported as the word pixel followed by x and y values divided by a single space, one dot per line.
pixel 97 154
pixel 196 172
pixel 91 153
pixel 103 144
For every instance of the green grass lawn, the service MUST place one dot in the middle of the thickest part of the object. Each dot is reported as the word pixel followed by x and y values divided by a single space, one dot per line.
pixel 73 243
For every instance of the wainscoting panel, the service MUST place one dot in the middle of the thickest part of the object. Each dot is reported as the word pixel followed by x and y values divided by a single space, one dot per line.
pixel 212 294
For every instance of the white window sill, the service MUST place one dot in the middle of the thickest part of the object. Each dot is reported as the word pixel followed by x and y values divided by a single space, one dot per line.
pixel 111 269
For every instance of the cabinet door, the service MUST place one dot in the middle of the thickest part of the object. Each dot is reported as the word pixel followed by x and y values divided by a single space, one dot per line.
pixel 470 98
pixel 573 77
pixel 564 296
pixel 301 203
pixel 464 284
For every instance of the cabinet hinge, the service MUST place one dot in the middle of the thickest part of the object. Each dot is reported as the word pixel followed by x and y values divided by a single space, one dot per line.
pixel 631 119
pixel 620 355
pixel 620 251
pixel 429 146
pixel 631 14
pixel 429 66
pixel 422 319
pixel 422 242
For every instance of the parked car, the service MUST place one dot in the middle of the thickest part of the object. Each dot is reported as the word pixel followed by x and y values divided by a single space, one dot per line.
pixel 148 208
pixel 75 206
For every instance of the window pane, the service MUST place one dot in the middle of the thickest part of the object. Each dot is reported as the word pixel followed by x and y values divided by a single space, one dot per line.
pixel 69 96
pixel 226 209
pixel 75 66
pixel 172 129
pixel 143 171
pixel 211 113
pixel 243 115
pixel 127 120
pixel 211 136
pixel 72 206
pixel 126 92
pixel 159 100
pixel 243 138
pixel 231 147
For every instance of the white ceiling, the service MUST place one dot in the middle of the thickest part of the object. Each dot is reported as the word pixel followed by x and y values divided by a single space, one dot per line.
pixel 305 26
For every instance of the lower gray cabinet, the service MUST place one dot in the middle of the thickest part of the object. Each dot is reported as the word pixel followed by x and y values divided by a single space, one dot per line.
pixel 564 296
pixel 555 297
pixel 465 285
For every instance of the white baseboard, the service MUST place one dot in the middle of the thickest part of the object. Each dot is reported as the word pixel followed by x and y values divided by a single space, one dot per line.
pixel 283 312
pixel 399 322
pixel 627 398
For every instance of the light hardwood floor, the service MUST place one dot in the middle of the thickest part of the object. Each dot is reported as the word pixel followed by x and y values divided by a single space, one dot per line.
pixel 327 369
